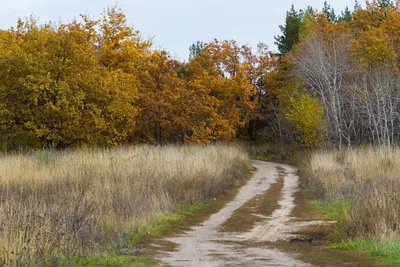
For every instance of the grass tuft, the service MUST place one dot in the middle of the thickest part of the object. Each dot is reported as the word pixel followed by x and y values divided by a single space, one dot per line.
pixel 334 210
pixel 385 249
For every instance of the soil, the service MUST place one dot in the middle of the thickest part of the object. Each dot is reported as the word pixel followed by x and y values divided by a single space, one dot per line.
pixel 273 227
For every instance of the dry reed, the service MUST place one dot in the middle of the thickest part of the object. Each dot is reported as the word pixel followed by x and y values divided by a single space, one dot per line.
pixel 367 177
pixel 63 203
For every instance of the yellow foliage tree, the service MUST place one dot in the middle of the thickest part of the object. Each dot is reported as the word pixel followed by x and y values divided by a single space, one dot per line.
pixel 163 101
pixel 69 84
pixel 304 112
pixel 221 92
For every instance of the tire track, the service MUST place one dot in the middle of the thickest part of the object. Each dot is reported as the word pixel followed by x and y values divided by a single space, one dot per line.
pixel 204 245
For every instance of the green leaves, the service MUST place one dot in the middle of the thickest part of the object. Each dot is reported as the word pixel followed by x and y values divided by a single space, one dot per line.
pixel 290 31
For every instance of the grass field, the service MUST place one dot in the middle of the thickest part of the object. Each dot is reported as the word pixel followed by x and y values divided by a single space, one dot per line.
pixel 55 205
pixel 360 187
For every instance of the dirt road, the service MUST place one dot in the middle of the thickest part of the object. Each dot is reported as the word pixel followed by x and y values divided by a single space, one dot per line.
pixel 206 245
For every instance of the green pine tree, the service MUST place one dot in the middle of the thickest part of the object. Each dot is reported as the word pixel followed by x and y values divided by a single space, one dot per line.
pixel 195 49
pixel 290 31
pixel 330 12
pixel 346 15
pixel 357 5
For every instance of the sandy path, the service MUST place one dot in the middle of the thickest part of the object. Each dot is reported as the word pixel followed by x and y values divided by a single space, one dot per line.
pixel 200 246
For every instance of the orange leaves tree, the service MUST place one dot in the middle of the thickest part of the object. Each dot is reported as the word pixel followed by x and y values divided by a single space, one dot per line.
pixel 376 36
pixel 262 69
pixel 42 80
pixel 163 101
pixel 67 84
pixel 98 82
pixel 121 54
pixel 220 90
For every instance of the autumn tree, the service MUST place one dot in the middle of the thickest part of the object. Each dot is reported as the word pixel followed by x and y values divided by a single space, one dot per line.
pixel 123 55
pixel 263 73
pixel 304 112
pixel 220 90
pixel 98 82
pixel 46 95
pixel 163 101
pixel 69 84
pixel 352 67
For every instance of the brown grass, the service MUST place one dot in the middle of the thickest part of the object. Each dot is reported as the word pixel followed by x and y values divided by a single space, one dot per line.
pixel 275 152
pixel 63 203
pixel 369 178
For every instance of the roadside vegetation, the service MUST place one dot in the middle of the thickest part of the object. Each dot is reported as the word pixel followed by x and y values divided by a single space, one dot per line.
pixel 85 91
pixel 359 188
pixel 57 206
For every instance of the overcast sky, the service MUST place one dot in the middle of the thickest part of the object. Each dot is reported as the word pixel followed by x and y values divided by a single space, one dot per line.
pixel 176 24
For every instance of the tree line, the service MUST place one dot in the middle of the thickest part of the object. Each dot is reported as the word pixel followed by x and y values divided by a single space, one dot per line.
pixel 98 82
pixel 350 65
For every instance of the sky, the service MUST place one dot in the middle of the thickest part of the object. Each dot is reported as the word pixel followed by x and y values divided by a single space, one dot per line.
pixel 175 24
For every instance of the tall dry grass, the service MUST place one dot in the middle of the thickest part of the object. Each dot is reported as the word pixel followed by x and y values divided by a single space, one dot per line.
pixel 62 203
pixel 369 178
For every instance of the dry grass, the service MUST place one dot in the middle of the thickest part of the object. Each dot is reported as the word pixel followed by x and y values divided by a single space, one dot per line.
pixel 63 203
pixel 369 178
